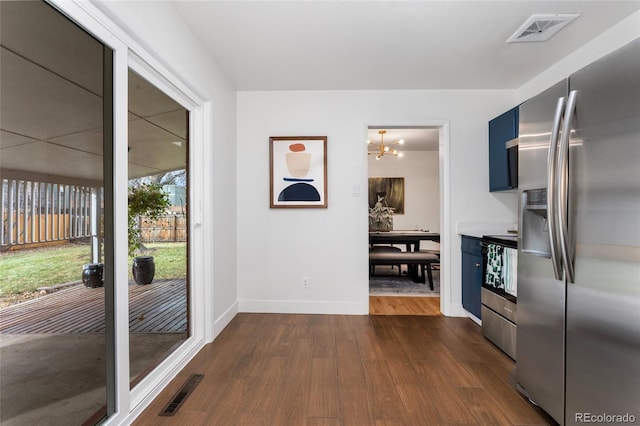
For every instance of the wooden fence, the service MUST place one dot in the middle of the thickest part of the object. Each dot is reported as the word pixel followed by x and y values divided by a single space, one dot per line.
pixel 40 213
pixel 169 228
pixel 37 213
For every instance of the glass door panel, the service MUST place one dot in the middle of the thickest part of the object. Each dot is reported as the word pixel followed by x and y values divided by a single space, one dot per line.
pixel 158 225
pixel 53 367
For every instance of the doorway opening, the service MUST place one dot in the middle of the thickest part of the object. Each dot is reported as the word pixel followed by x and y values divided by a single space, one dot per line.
pixel 404 175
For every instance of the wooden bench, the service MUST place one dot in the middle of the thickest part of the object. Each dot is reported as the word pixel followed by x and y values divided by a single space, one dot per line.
pixel 417 258
pixel 384 248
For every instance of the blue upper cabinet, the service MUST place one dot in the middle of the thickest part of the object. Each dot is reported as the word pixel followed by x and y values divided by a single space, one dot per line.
pixel 503 162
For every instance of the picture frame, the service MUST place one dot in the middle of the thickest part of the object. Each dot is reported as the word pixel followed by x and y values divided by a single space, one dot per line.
pixel 391 188
pixel 297 172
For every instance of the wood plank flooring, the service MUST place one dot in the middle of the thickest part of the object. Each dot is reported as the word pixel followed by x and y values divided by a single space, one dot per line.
pixel 285 369
pixel 404 305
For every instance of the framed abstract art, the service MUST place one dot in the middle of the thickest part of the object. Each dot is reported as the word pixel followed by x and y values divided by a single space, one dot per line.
pixel 392 191
pixel 298 171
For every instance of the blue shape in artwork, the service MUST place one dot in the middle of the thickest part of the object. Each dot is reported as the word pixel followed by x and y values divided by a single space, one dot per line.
pixel 296 180
pixel 299 192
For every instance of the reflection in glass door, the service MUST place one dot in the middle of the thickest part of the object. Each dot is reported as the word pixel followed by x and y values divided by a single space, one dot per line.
pixel 53 273
pixel 158 226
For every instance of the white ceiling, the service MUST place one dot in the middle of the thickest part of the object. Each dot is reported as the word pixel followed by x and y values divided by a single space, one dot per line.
pixel 325 45
pixel 52 88
pixel 379 45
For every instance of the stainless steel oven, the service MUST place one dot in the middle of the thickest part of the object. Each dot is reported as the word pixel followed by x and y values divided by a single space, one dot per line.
pixel 499 291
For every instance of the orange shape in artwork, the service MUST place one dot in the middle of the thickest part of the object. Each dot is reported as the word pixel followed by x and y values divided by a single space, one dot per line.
pixel 297 147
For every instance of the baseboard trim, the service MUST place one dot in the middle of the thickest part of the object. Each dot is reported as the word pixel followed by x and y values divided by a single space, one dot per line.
pixel 474 318
pixel 223 320
pixel 456 311
pixel 303 307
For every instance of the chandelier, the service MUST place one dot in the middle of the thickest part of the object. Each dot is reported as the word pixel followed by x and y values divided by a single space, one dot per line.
pixel 380 150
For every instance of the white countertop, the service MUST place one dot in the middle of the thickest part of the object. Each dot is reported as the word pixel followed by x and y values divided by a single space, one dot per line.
pixel 478 229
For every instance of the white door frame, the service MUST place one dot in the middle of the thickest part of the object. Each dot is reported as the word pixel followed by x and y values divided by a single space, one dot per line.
pixel 445 203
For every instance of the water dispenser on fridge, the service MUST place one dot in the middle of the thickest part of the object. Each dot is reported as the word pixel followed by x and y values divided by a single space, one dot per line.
pixel 534 223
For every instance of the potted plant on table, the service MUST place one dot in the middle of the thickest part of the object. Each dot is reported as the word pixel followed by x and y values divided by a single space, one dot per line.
pixel 148 200
pixel 380 216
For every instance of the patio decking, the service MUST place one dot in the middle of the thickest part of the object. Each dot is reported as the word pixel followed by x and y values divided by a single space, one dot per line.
pixel 159 307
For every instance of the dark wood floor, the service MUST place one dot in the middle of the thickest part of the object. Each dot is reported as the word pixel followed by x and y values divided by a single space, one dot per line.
pixel 278 369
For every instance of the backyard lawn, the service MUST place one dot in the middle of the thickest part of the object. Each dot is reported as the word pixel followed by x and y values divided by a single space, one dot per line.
pixel 22 272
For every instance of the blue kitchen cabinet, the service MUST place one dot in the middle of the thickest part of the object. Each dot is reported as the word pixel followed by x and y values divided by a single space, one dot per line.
pixel 471 274
pixel 503 165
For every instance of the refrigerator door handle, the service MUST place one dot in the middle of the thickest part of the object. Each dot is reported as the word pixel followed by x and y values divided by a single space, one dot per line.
pixel 551 189
pixel 563 188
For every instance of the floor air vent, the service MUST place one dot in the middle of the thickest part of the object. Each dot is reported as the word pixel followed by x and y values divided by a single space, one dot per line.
pixel 541 27
pixel 182 394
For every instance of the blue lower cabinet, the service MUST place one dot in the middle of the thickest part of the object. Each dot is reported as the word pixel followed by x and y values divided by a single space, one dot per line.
pixel 471 274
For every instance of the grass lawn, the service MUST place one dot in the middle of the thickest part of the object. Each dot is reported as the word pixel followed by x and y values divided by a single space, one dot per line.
pixel 23 271
pixel 170 259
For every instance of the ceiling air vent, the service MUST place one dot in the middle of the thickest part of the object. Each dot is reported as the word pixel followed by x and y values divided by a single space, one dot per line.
pixel 541 27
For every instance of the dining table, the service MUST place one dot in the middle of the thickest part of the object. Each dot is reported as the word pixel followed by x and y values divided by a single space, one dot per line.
pixel 411 239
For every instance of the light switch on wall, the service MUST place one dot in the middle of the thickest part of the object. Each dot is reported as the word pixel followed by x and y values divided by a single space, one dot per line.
pixel 356 191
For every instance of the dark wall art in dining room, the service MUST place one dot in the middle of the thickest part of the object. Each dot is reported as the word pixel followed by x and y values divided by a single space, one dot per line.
pixel 392 191
pixel 298 171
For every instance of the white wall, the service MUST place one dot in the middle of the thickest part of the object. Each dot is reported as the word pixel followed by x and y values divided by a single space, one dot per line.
pixel 277 247
pixel 421 173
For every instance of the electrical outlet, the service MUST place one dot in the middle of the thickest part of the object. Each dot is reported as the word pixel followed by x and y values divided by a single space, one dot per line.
pixel 305 282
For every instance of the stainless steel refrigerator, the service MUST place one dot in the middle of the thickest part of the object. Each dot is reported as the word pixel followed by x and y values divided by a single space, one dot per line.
pixel 578 342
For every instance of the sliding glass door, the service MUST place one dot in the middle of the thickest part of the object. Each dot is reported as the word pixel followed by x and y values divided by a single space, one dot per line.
pixel 82 321
pixel 56 264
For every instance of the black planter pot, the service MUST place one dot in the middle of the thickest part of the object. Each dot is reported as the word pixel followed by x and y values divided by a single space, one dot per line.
pixel 92 275
pixel 144 268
